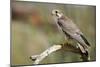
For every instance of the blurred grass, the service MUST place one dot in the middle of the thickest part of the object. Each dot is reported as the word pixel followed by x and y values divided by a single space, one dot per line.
pixel 32 34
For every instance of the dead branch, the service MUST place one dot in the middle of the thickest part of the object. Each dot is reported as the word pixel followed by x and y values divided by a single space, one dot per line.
pixel 66 47
pixel 40 57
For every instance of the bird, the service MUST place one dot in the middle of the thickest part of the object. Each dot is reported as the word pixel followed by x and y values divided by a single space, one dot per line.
pixel 71 31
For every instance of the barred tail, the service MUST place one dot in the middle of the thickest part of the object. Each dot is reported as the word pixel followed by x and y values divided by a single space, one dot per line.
pixel 84 53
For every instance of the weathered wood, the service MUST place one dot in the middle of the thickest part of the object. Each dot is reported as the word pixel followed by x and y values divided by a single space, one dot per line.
pixel 66 47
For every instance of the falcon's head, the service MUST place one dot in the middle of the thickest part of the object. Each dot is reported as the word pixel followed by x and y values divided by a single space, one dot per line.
pixel 57 13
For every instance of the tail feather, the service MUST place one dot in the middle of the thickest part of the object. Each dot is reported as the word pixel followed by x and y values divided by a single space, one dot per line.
pixel 85 40
pixel 85 56
pixel 84 53
pixel 81 48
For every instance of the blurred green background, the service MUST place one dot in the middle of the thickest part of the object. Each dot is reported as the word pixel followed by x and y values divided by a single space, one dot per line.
pixel 33 30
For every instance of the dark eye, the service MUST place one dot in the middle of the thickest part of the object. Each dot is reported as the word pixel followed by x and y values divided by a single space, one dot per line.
pixel 56 11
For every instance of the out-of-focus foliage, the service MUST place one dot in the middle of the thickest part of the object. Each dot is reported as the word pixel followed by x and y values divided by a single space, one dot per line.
pixel 33 30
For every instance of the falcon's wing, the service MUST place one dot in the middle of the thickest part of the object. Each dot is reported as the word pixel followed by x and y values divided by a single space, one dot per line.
pixel 73 31
pixel 85 40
